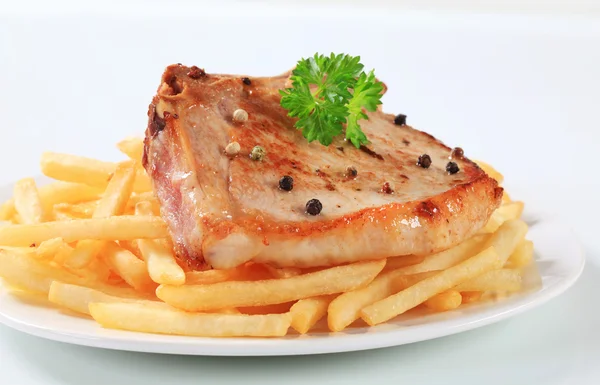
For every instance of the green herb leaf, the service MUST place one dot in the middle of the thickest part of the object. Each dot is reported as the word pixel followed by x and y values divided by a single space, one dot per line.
pixel 328 91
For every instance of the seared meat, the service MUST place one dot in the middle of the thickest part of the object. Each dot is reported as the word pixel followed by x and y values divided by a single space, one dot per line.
pixel 226 209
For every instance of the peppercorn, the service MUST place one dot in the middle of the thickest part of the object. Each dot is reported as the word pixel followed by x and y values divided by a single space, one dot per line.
pixel 457 153
pixel 240 115
pixel 424 161
pixel 452 168
pixel 246 81
pixel 351 171
pixel 286 183
pixel 314 207
pixel 387 188
pixel 258 153
pixel 400 120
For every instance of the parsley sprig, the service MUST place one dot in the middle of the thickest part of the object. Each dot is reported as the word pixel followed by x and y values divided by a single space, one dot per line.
pixel 328 92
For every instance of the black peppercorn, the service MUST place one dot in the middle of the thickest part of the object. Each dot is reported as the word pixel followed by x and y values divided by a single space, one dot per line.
pixel 452 168
pixel 246 81
pixel 286 183
pixel 457 153
pixel 400 120
pixel 424 161
pixel 314 207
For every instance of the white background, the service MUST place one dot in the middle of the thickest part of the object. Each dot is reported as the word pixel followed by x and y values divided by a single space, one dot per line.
pixel 515 85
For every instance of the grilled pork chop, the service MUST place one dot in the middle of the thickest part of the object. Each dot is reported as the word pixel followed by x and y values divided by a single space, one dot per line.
pixel 225 210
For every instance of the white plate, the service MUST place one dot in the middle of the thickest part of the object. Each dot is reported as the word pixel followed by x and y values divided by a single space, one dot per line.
pixel 559 258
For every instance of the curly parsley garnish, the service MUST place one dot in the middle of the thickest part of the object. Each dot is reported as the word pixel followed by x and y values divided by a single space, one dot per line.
pixel 329 91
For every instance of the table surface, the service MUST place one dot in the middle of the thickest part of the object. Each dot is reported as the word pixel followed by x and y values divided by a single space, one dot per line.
pixel 519 91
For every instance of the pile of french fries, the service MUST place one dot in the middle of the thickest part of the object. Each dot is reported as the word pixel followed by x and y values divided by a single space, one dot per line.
pixel 93 243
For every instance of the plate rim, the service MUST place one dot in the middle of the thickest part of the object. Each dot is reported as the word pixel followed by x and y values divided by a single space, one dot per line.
pixel 305 345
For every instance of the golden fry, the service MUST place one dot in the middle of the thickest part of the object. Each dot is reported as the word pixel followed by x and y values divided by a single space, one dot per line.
pixel 48 249
pixel 448 300
pixel 346 308
pixel 492 172
pixel 522 256
pixel 23 271
pixel 119 228
pixel 307 312
pixel 7 210
pixel 413 296
pixel 78 298
pixel 450 257
pixel 257 293
pixel 92 172
pixel 512 210
pixel 129 267
pixel 160 261
pixel 151 319
pixel 112 203
pixel 27 201
pixel 496 280
pixel 133 147
pixel 506 239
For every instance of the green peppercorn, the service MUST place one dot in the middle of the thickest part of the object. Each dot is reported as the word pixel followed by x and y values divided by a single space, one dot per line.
pixel 258 153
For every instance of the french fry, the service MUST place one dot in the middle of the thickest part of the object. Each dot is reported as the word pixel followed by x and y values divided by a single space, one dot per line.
pixel 493 223
pixel 53 193
pixel 506 239
pixel 150 319
pixel 129 267
pixel 92 172
pixel 81 210
pixel 112 203
pixel 143 197
pixel 67 193
pixel 48 249
pixel 307 312
pixel 160 261
pixel 78 169
pixel 23 271
pixel 470 296
pixel 420 292
pixel 257 293
pixel 7 210
pixel 133 147
pixel 115 228
pixel 27 201
pixel 95 271
pixel 132 247
pixel 447 300
pixel 496 280
pixel 78 298
pixel 492 172
pixel 448 258
pixel 512 210
pixel 522 256
pixel 346 308
pixel 394 263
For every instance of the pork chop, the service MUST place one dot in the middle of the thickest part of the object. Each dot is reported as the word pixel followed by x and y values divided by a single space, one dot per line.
pixel 225 210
